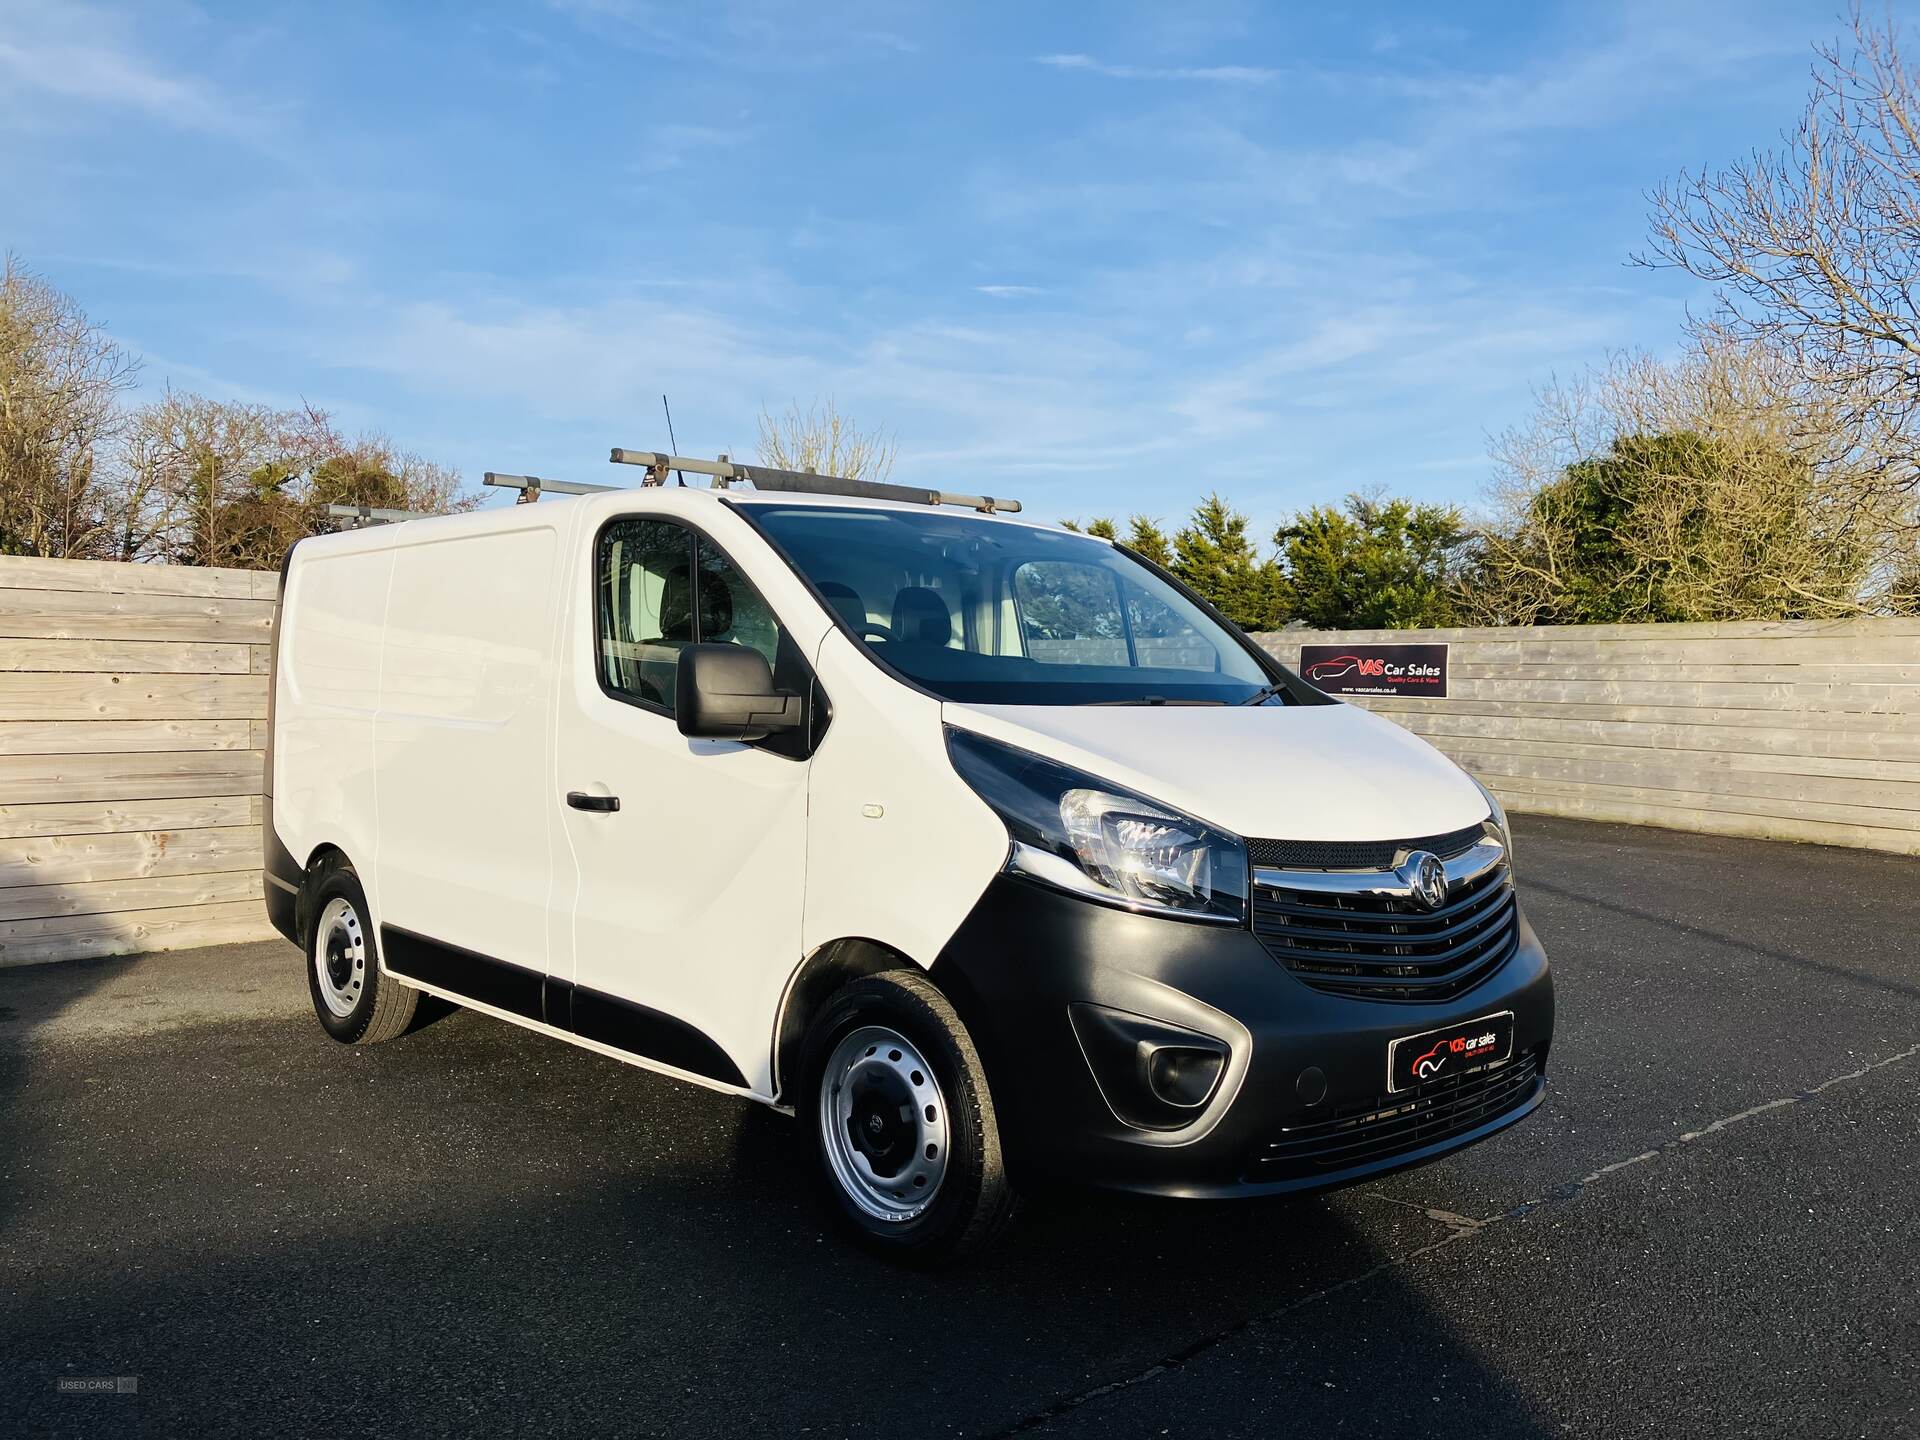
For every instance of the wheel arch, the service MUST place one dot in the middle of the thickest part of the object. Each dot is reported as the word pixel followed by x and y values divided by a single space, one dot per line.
pixel 303 916
pixel 811 985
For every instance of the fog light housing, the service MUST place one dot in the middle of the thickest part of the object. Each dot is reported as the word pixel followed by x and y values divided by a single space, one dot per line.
pixel 1183 1076
pixel 1153 1076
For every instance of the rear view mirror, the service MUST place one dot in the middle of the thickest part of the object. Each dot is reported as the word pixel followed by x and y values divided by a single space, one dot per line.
pixel 725 692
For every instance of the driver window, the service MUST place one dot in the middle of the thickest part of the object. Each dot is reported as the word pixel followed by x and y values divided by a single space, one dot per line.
pixel 644 605
pixel 731 610
pixel 660 588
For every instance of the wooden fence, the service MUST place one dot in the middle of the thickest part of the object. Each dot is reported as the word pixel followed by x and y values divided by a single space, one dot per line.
pixel 133 702
pixel 1806 730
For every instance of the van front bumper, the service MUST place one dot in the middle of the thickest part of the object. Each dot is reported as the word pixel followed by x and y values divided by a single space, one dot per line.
pixel 1055 990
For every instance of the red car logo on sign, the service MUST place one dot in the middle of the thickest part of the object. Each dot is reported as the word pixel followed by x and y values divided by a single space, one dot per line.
pixel 1426 1066
pixel 1341 664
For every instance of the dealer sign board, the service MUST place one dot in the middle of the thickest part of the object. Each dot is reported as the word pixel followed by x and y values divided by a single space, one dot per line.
pixel 1359 668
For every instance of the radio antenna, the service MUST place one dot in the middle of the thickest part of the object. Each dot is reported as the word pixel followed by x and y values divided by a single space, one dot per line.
pixel 680 475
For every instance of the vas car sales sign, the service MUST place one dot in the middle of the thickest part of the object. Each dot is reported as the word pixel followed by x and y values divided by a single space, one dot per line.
pixel 1362 669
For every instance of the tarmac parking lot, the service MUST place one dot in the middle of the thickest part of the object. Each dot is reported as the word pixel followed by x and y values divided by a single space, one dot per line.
pixel 1709 1228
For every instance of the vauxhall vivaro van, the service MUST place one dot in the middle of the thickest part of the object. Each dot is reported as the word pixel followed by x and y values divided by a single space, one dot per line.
pixel 986 849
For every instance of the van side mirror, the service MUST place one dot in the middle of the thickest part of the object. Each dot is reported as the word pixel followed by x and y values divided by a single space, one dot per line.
pixel 725 692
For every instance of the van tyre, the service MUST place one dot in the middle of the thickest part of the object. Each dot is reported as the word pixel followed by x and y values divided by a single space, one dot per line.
pixel 901 1122
pixel 357 1005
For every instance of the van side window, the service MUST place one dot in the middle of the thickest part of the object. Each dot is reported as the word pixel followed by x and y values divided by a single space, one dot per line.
pixel 731 610
pixel 661 587
pixel 644 605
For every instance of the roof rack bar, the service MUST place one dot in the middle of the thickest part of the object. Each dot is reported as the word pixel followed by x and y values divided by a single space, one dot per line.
pixel 764 477
pixel 372 515
pixel 531 486
pixel 653 460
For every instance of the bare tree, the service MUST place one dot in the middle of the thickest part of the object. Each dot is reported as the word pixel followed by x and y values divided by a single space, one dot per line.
pixel 821 439
pixel 211 482
pixel 1815 247
pixel 61 377
pixel 1722 486
pixel 192 467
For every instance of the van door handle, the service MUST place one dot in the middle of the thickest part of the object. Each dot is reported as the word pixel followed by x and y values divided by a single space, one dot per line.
pixel 604 804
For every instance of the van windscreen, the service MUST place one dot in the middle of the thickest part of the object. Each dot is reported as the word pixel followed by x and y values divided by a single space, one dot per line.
pixel 991 612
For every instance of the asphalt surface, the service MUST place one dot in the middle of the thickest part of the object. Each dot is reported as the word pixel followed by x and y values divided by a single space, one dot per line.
pixel 1710 1228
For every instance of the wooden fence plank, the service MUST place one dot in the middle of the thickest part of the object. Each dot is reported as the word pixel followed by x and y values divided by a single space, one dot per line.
pixel 25 572
pixel 1690 772
pixel 1707 811
pixel 88 817
pixel 30 779
pixel 1830 720
pixel 1691 634
pixel 1520 675
pixel 1873 699
pixel 176 657
pixel 87 615
pixel 107 897
pixel 129 855
pixel 1681 817
pixel 92 737
pixel 133 697
pixel 1886 774
pixel 1564 648
pixel 28 942
pixel 1863 744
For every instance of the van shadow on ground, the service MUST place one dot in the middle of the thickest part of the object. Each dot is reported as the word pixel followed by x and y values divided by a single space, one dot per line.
pixel 474 1228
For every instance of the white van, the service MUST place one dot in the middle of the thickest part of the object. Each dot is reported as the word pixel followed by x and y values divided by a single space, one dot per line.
pixel 985 848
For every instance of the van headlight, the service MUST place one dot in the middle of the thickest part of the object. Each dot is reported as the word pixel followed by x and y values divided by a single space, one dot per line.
pixel 1078 834
pixel 1497 818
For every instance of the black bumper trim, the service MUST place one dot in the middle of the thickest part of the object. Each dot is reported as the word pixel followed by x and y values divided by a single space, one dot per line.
pixel 1026 954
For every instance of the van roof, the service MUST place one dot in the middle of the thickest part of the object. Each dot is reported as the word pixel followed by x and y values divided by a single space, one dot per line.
pixel 667 497
pixel 762 498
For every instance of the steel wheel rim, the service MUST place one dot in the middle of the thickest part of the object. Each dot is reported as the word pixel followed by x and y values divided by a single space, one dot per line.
pixel 340 956
pixel 883 1124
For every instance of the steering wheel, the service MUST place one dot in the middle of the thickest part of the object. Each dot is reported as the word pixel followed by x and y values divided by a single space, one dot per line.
pixel 873 630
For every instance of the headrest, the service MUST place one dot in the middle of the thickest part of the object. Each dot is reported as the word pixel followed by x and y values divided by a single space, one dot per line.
pixel 846 601
pixel 921 617
pixel 676 605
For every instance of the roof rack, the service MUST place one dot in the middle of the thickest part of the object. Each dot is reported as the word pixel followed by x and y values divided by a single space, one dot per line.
pixel 532 487
pixel 726 474
pixel 361 516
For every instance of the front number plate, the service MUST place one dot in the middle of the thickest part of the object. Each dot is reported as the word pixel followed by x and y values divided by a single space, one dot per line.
pixel 1436 1054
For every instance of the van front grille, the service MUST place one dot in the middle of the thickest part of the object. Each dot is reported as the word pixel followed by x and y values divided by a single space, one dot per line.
pixel 1380 948
pixel 1388 1125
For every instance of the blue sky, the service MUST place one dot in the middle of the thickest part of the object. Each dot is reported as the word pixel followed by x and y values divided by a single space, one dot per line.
pixel 1103 258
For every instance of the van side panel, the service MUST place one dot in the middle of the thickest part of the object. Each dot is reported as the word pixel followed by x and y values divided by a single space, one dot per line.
pixel 326 694
pixel 463 742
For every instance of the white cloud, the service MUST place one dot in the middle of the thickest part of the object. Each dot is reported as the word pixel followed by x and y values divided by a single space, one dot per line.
pixel 669 146
pixel 78 55
pixel 1009 292
pixel 1226 74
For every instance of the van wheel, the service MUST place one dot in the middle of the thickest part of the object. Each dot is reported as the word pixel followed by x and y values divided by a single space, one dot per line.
pixel 356 1004
pixel 901 1121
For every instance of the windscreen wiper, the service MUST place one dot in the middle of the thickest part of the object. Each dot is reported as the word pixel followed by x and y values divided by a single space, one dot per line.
pixel 1156 700
pixel 1264 693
